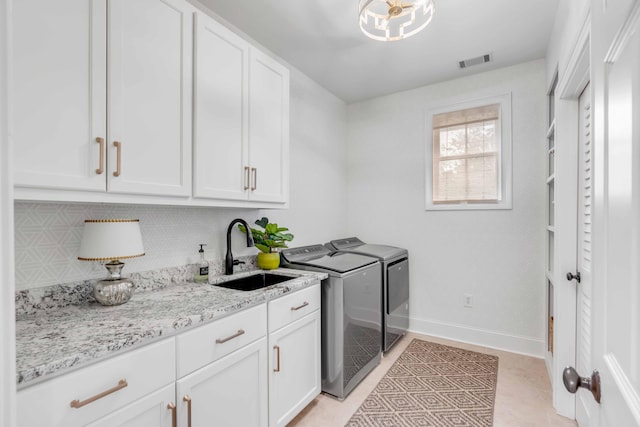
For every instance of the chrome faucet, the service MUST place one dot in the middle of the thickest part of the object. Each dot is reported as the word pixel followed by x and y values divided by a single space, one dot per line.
pixel 229 262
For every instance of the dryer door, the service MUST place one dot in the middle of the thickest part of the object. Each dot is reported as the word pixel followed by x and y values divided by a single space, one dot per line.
pixel 397 309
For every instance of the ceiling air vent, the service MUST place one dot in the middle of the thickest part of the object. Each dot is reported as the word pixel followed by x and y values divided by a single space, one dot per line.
pixel 474 61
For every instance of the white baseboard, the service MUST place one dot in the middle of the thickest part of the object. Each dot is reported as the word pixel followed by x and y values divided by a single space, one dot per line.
pixel 527 346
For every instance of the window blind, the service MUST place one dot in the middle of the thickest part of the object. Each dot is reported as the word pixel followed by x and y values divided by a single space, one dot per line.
pixel 466 155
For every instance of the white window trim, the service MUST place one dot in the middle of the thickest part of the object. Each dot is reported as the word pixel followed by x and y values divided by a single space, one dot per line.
pixel 506 158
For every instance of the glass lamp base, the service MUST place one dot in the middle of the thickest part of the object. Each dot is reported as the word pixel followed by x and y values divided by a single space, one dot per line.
pixel 116 289
pixel 113 292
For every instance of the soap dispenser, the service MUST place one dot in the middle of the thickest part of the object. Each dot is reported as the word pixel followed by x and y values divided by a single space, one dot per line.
pixel 202 268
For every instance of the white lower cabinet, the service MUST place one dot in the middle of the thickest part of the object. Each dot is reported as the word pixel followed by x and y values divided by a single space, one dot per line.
pixel 222 372
pixel 153 410
pixel 259 367
pixel 126 388
pixel 294 368
pixel 229 392
pixel 294 362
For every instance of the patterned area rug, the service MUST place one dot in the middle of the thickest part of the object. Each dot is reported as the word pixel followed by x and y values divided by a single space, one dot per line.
pixel 433 385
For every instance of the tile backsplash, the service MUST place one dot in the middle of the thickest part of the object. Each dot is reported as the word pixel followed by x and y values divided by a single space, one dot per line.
pixel 48 235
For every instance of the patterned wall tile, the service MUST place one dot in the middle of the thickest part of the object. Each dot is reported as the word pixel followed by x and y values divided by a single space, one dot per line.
pixel 48 236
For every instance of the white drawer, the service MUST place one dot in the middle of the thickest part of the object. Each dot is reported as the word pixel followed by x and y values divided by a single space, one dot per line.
pixel 144 371
pixel 293 306
pixel 208 343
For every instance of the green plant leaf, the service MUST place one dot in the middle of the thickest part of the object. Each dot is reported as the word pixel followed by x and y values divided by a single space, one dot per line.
pixel 271 237
pixel 262 222
pixel 271 228
pixel 263 248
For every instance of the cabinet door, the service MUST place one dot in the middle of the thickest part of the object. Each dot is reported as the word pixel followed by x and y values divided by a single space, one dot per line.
pixel 59 92
pixel 149 97
pixel 229 392
pixel 150 411
pixel 268 129
pixel 220 112
pixel 294 368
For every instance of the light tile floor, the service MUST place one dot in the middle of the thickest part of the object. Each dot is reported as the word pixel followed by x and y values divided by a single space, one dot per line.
pixel 523 394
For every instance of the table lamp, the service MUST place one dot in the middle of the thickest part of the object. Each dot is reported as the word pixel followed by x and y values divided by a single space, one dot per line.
pixel 111 240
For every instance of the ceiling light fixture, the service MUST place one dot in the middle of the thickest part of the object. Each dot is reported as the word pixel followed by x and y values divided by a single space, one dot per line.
pixel 389 20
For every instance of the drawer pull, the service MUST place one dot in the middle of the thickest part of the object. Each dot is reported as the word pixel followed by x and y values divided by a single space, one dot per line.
pixel 79 404
pixel 187 399
pixel 277 349
pixel 303 305
pixel 100 141
pixel 118 146
pixel 236 335
pixel 174 415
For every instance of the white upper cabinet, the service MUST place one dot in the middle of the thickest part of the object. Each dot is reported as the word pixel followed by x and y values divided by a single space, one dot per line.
pixel 65 122
pixel 220 111
pixel 268 129
pixel 59 93
pixel 241 116
pixel 120 98
pixel 149 97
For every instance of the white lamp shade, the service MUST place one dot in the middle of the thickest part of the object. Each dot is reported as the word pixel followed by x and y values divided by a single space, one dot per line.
pixel 111 239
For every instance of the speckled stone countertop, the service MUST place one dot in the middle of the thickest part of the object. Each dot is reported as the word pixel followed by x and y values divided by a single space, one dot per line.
pixel 55 341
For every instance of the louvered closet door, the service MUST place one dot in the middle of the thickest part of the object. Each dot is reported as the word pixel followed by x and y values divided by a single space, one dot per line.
pixel 584 362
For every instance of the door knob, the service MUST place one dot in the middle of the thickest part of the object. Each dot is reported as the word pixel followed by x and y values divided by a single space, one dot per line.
pixel 571 276
pixel 573 381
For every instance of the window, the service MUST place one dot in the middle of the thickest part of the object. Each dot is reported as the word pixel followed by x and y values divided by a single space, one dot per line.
pixel 469 156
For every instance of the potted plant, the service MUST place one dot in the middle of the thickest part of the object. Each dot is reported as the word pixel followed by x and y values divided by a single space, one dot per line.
pixel 269 241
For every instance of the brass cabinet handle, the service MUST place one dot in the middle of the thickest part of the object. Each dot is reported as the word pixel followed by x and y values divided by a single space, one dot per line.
pixel 236 335
pixel 277 349
pixel 187 399
pixel 174 415
pixel 254 171
pixel 303 305
pixel 79 404
pixel 101 168
pixel 246 178
pixel 118 146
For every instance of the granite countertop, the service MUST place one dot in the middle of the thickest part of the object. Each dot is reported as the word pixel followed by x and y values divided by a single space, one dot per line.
pixel 55 341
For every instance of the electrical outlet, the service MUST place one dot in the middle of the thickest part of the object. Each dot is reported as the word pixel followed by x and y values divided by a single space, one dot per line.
pixel 468 300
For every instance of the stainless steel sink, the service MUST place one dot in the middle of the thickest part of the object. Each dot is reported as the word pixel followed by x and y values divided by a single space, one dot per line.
pixel 256 281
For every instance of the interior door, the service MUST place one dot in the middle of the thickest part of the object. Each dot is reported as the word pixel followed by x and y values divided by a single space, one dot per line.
pixel 585 404
pixel 616 309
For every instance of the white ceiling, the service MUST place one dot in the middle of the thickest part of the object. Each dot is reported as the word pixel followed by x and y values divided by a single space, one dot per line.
pixel 322 39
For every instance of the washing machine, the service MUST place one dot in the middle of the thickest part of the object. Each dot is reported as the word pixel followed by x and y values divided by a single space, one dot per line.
pixel 350 312
pixel 394 273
